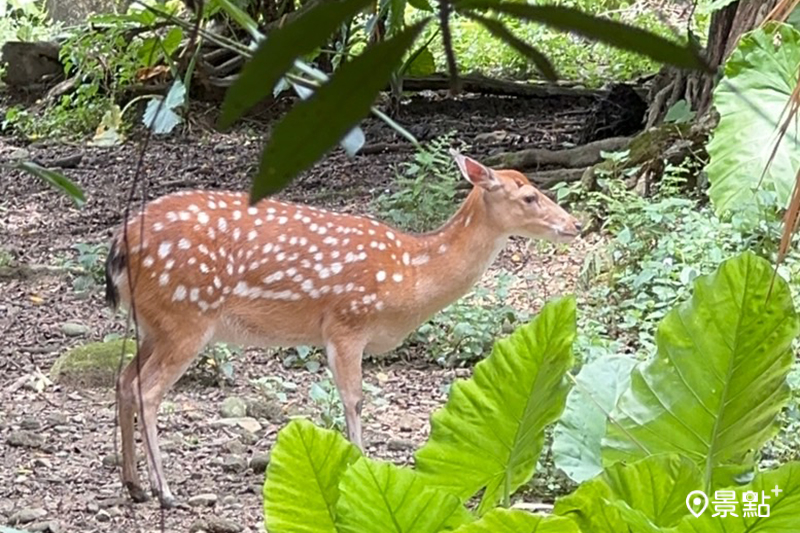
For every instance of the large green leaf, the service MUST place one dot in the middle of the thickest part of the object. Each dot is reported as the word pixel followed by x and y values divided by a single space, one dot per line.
pixel 490 432
pixel 314 125
pixel 578 436
pixel 759 79
pixel 302 485
pixel 515 521
pixel 718 380
pixel 277 53
pixel 643 497
pixel 597 28
pixel 379 497
pixel 56 179
pixel 784 507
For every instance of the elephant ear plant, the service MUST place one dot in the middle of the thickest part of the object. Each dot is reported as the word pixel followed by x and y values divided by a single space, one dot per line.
pixel 690 419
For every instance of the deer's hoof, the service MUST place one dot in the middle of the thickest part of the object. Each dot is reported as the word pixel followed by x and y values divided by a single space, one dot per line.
pixel 138 495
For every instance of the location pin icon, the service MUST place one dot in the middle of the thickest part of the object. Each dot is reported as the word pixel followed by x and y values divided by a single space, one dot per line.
pixel 694 500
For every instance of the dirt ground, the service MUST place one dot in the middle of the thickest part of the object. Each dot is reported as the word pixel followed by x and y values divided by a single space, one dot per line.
pixel 66 467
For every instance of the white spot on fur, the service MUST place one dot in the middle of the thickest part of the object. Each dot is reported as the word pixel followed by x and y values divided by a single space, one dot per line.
pixel 397 277
pixel 380 275
pixel 184 244
pixel 406 258
pixel 163 249
pixel 179 294
pixel 148 261
pixel 163 279
pixel 275 276
pixel 222 224
pixel 420 260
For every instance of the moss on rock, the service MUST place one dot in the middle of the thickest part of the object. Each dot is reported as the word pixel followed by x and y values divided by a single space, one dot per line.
pixel 92 365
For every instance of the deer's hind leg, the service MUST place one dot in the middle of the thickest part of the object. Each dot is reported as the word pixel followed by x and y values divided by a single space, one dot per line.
pixel 171 354
pixel 127 401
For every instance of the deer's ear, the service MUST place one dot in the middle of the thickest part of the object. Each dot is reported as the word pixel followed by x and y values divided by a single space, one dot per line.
pixel 474 172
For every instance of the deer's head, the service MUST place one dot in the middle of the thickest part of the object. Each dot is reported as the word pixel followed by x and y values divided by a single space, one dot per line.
pixel 517 207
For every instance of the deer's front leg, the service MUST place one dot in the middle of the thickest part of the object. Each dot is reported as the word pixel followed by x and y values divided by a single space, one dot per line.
pixel 344 360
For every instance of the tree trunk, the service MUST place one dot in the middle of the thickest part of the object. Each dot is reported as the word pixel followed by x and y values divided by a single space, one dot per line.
pixel 727 26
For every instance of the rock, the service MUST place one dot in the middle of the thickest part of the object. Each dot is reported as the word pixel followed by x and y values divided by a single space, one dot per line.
pixel 215 525
pixel 235 447
pixel 250 424
pixel 398 445
pixel 52 526
pixel 27 515
pixel 92 365
pixel 260 408
pixel 259 462
pixel 17 154
pixel 234 463
pixel 56 419
pixel 42 462
pixel 233 407
pixel 203 500
pixel 25 439
pixel 30 423
pixel 74 329
pixel 92 507
pixel 102 516
pixel 108 503
pixel 112 460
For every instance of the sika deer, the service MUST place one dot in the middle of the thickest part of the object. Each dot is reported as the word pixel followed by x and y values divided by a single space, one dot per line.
pixel 208 267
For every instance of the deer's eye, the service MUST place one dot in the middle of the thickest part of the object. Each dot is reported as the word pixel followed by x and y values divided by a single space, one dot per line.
pixel 532 199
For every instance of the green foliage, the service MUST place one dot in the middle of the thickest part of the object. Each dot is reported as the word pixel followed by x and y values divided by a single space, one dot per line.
pixel 514 521
pixel 325 396
pixel 425 189
pixel 491 431
pixel 160 115
pixel 314 125
pixel 657 247
pixel 644 496
pixel 718 380
pixel 56 180
pixel 274 388
pixel 375 494
pixel 105 63
pixel 464 331
pixel 303 476
pixel 783 506
pixel 24 20
pixel 572 57
pixel 579 433
pixel 307 357
pixel 486 440
pixel 219 358
pixel 277 54
pixel 760 77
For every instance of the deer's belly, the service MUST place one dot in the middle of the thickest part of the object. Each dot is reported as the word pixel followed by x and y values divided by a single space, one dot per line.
pixel 273 330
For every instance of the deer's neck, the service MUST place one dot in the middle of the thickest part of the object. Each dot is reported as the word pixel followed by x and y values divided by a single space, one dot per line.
pixel 448 262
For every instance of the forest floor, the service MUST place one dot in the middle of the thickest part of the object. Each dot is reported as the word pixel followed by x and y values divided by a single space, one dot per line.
pixel 63 470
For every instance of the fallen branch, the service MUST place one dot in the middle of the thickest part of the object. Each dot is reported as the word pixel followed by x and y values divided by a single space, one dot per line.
pixel 580 156
pixel 483 85
pixel 547 178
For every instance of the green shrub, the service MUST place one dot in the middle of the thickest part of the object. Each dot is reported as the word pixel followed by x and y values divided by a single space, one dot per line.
pixel 424 191
pixel 486 440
